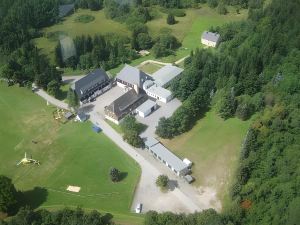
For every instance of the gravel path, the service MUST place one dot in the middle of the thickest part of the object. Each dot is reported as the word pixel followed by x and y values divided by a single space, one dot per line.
pixel 51 99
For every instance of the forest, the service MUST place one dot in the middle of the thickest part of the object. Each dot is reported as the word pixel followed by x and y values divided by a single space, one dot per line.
pixel 256 71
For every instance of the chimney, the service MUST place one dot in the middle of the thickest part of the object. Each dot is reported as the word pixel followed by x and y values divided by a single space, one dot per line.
pixel 136 88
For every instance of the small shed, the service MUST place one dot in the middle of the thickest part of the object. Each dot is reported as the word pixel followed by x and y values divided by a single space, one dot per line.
pixel 146 108
pixel 187 162
pixel 96 128
pixel 68 115
pixel 81 117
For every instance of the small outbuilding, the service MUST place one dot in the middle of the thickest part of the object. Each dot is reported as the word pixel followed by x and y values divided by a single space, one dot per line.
pixel 68 115
pixel 157 92
pixel 187 162
pixel 146 108
pixel 210 39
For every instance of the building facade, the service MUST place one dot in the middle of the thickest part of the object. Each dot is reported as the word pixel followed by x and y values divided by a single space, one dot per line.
pixel 210 39
pixel 92 85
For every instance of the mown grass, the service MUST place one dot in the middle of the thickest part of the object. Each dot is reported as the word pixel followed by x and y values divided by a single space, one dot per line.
pixel 150 67
pixel 214 146
pixel 84 19
pixel 70 154
pixel 70 27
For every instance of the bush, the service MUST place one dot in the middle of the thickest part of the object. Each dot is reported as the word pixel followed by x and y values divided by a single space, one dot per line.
pixel 171 19
pixel 162 181
pixel 212 3
pixel 114 174
pixel 8 195
pixel 222 9
pixel 84 19
pixel 131 130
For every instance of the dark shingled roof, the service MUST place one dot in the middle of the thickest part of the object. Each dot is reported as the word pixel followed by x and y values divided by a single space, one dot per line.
pixel 91 80
pixel 65 9
pixel 214 37
pixel 121 104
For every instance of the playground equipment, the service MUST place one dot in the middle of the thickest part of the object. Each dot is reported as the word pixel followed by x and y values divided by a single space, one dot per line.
pixel 27 161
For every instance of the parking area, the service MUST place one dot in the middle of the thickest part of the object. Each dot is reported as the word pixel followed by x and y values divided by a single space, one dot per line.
pixel 107 98
pixel 164 110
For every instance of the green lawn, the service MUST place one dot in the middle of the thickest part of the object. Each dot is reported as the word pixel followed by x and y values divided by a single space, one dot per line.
pixel 150 67
pixel 188 30
pixel 214 146
pixel 70 154
pixel 73 28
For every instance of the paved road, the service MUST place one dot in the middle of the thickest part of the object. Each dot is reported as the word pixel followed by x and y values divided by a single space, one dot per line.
pixel 149 174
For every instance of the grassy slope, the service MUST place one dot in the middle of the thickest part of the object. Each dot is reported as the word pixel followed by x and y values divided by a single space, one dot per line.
pixel 70 154
pixel 214 147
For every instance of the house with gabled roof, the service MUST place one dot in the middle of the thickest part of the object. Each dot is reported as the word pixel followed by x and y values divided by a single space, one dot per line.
pixel 210 39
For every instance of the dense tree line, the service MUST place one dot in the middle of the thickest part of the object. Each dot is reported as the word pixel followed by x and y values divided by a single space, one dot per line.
pixel 105 51
pixel 20 22
pixel 256 70
pixel 61 217
pixel 8 195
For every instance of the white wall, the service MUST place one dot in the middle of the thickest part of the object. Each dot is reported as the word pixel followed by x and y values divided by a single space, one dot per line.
pixel 121 85
pixel 208 43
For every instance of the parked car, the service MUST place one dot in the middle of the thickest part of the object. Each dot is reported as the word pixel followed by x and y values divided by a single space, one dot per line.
pixel 189 178
pixel 138 208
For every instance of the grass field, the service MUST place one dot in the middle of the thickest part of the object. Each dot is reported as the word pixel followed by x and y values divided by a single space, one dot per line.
pixel 150 67
pixel 214 147
pixel 73 28
pixel 188 30
pixel 70 154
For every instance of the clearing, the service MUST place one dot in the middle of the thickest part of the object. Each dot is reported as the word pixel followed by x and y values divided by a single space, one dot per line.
pixel 188 30
pixel 70 154
pixel 214 146
pixel 70 26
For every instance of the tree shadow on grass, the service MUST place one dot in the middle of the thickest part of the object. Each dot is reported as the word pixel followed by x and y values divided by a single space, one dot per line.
pixel 123 175
pixel 33 198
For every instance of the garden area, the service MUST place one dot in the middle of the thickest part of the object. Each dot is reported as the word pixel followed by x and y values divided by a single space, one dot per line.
pixel 70 154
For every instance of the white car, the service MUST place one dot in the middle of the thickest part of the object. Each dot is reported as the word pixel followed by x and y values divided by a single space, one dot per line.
pixel 138 208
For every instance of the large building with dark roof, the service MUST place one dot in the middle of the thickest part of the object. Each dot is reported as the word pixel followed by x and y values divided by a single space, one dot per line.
pixel 125 104
pixel 92 85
